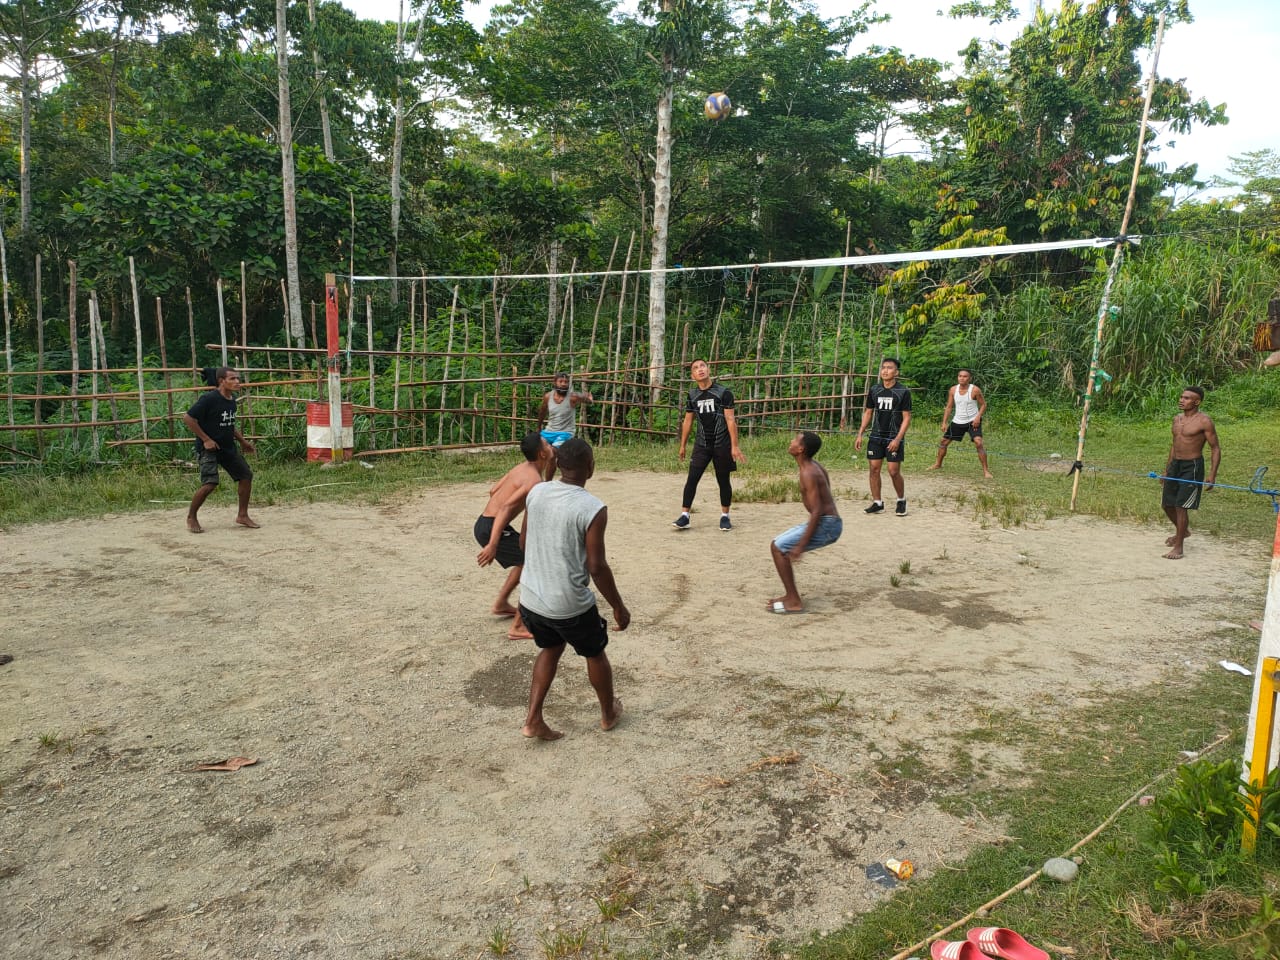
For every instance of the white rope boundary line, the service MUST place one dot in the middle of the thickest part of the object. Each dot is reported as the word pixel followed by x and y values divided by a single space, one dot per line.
pixel 876 258
pixel 1023 884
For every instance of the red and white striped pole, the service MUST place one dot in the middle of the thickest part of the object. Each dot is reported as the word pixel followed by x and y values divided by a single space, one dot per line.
pixel 1262 705
pixel 335 375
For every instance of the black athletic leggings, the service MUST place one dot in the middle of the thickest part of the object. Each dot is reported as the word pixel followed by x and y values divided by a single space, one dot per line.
pixel 723 459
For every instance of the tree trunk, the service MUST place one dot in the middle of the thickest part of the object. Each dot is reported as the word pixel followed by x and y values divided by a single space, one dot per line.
pixel 325 131
pixel 287 178
pixel 658 249
pixel 27 84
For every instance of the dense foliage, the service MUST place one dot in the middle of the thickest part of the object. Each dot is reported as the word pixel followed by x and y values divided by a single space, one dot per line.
pixel 146 130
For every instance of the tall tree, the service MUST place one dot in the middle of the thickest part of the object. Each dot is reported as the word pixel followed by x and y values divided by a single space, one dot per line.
pixel 680 32
pixel 36 34
pixel 289 192
pixel 1050 124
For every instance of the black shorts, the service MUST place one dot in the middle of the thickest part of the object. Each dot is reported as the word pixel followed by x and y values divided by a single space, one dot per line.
pixel 1185 495
pixel 587 633
pixel 956 431
pixel 509 553
pixel 722 457
pixel 879 450
pixel 229 460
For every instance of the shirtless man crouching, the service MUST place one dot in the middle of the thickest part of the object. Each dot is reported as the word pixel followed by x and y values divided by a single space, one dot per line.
pixel 1185 469
pixel 493 530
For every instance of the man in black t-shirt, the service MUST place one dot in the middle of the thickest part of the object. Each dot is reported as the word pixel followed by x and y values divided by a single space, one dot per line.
pixel 212 418
pixel 716 441
pixel 888 412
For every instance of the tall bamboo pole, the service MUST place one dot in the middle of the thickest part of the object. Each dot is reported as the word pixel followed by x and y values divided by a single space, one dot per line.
pixel 368 333
pixel 244 316
pixel 1104 305
pixel 604 285
pixel 191 335
pixel 164 363
pixel 137 340
pixel 93 380
pixel 395 393
pixel 39 357
pixel 222 324
pixel 8 323
pixel 74 338
pixel 444 383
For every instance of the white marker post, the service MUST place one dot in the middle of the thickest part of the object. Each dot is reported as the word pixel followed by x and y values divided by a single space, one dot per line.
pixel 1264 689
pixel 335 375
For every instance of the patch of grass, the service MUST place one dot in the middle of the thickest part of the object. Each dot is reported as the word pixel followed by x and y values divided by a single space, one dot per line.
pixel 904 567
pixel 500 943
pixel 1079 770
pixel 768 489
pixel 612 905
pixel 895 580
pixel 56 743
pixel 830 703
pixel 563 943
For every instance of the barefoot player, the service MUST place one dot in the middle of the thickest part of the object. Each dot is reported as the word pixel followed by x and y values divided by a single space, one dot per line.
pixel 564 550
pixel 822 529
pixel 970 407
pixel 212 418
pixel 493 530
pixel 1185 470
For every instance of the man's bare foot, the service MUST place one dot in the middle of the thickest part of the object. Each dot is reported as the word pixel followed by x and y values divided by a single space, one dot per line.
pixel 540 731
pixel 611 721
pixel 504 610
pixel 194 525
pixel 936 466
pixel 247 522
pixel 988 476
pixel 1170 541
pixel 519 635
pixel 1174 554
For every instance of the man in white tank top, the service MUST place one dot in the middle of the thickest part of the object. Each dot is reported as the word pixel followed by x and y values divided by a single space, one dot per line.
pixel 969 405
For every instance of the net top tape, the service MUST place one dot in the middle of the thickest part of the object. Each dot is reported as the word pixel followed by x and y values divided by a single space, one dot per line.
pixel 866 259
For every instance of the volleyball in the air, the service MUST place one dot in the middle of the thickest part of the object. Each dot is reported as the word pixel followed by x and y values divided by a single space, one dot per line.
pixel 717 106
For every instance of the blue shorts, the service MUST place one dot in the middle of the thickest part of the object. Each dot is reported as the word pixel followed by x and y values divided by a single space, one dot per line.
pixel 555 437
pixel 828 532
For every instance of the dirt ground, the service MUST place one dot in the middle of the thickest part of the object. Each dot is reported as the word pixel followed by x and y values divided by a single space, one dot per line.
pixel 763 764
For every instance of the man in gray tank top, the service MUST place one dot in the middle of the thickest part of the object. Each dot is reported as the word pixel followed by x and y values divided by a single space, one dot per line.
pixel 563 541
pixel 558 411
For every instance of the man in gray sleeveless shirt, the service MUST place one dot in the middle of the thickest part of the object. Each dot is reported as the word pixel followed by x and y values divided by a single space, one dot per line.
pixel 563 541
pixel 558 411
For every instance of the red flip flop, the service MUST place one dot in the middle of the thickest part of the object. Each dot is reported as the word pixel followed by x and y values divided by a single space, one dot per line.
pixel 955 950
pixel 1000 942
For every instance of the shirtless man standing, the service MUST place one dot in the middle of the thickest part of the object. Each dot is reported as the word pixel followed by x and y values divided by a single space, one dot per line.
pixel 822 529
pixel 493 530
pixel 1185 470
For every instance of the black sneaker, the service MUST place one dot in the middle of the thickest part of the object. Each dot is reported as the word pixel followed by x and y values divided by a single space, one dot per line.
pixel 901 508
pixel 876 507
pixel 681 522
pixel 724 522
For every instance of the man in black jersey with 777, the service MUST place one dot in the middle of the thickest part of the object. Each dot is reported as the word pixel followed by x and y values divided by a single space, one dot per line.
pixel 888 412
pixel 716 441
